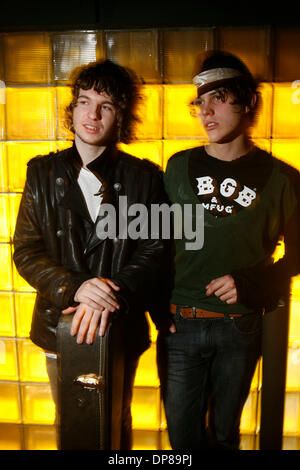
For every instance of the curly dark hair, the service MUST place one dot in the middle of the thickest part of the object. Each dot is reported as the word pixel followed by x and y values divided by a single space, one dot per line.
pixel 119 82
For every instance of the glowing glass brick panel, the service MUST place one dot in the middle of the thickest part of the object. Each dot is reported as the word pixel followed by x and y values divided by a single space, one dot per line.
pixel 63 144
pixel 150 113
pixel 262 126
pixel 291 422
pixel 30 113
pixel 293 367
pixel 10 437
pixel 4 218
pixel 294 325
pixel 263 144
pixel 5 267
pixel 3 168
pixel 71 50
pixel 137 50
pixel 287 150
pixel 37 404
pixel 2 112
pixel 27 58
pixel 7 324
pixel 180 50
pixel 151 150
pixel 295 287
pixel 32 362
pixel 249 414
pixel 9 403
pixel 8 360
pixel 178 121
pixel 14 204
pixel 287 64
pixel 18 155
pixel 147 370
pixel 145 408
pixel 286 115
pixel 252 45
pixel 63 98
pixel 170 147
pixel 24 304
pixel 40 437
pixel 146 440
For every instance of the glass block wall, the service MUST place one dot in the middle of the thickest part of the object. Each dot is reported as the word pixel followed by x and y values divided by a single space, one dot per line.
pixel 34 89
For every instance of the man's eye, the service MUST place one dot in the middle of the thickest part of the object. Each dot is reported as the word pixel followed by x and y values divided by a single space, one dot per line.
pixel 107 107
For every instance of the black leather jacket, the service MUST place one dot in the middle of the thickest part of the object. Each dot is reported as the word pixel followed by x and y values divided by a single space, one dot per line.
pixel 57 247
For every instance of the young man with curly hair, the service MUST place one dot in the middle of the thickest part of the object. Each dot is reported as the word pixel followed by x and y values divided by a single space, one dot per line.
pixel 250 201
pixel 57 246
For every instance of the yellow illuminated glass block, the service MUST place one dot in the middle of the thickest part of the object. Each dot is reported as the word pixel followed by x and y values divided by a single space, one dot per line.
pixel 30 113
pixel 2 113
pixel 293 367
pixel 37 404
pixel 291 443
pixel 10 437
pixel 295 287
pixel 151 150
pixel 146 440
pixel 71 50
pixel 180 50
pixel 249 414
pixel 291 423
pixel 287 150
pixel 18 154
pixel 248 442
pixel 64 98
pixel 5 267
pixel 32 362
pixel 137 50
pixel 150 113
pixel 176 145
pixel 27 58
pixel 279 251
pixel 8 360
pixel 147 370
pixel 152 328
pixel 4 218
pixel 178 121
pixel 9 403
pixel 14 204
pixel 165 442
pixel 146 408
pixel 7 323
pixel 294 326
pixel 40 437
pixel 287 67
pixel 24 304
pixel 264 144
pixel 286 116
pixel 63 144
pixel 262 126
pixel 257 376
pixel 251 45
pixel 3 168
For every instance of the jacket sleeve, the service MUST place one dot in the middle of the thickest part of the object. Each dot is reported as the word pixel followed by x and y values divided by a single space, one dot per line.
pixel 46 275
pixel 262 285
pixel 142 278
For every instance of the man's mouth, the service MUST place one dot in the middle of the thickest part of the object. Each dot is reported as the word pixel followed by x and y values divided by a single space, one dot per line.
pixel 90 128
pixel 211 125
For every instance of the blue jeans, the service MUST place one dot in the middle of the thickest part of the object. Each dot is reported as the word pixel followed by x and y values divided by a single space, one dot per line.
pixel 207 365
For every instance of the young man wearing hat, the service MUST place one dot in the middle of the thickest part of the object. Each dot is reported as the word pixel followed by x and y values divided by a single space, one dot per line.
pixel 250 199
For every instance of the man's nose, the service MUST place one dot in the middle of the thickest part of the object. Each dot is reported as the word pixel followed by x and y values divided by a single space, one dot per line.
pixel 206 109
pixel 95 112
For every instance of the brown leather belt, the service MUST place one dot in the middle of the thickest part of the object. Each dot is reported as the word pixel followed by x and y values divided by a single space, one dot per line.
pixel 195 312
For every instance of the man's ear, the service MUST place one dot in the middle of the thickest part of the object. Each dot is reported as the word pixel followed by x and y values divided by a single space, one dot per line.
pixel 252 104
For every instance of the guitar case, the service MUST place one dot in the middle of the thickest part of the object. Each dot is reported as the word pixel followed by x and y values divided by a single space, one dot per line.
pixel 90 388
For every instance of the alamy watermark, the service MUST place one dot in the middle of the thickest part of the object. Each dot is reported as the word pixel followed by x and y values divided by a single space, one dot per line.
pixel 296 93
pixel 159 221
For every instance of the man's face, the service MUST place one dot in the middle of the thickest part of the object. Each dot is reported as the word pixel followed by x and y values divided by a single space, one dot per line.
pixel 222 120
pixel 94 118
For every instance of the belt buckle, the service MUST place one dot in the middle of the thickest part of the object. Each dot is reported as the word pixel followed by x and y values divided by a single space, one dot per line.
pixel 194 312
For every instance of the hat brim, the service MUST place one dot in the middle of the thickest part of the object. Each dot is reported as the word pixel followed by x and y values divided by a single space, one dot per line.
pixel 213 85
